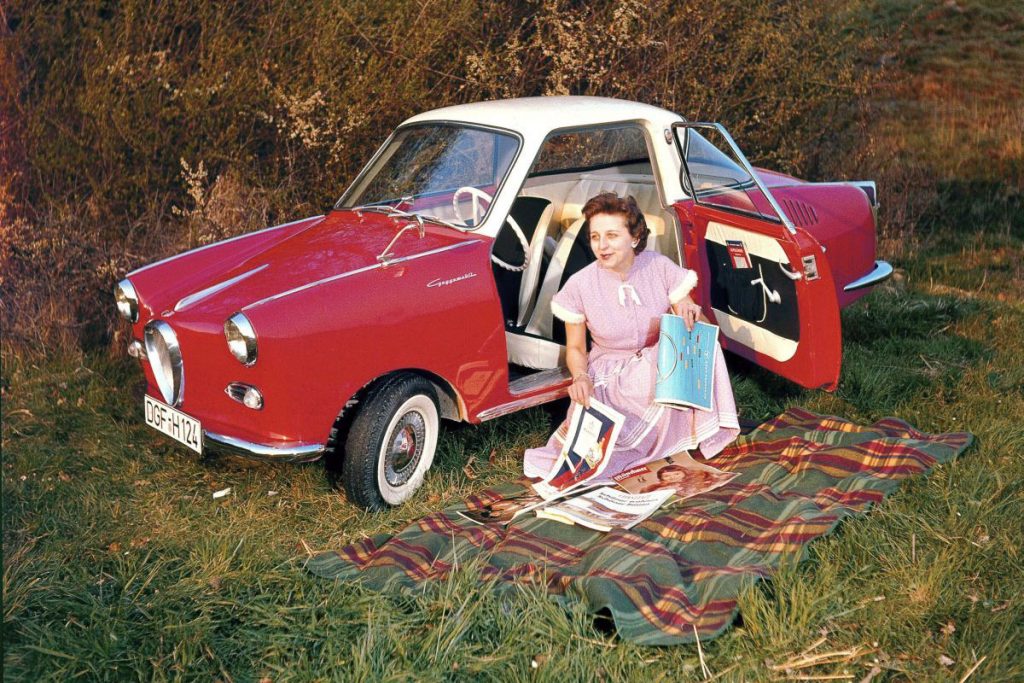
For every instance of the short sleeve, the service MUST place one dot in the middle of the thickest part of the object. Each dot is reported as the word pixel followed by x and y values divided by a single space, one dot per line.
pixel 567 304
pixel 679 282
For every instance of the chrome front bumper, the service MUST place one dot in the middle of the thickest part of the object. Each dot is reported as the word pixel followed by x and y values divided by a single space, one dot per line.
pixel 879 273
pixel 292 453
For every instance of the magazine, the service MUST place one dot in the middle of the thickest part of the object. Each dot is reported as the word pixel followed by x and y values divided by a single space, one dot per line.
pixel 502 511
pixel 679 473
pixel 606 508
pixel 586 451
pixel 686 363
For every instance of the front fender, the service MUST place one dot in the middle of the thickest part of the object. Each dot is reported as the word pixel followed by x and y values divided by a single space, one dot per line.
pixel 436 312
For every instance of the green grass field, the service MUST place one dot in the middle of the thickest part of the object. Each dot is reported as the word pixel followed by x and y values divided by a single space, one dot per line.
pixel 119 565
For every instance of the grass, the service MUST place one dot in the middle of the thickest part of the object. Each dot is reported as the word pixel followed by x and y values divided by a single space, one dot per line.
pixel 119 564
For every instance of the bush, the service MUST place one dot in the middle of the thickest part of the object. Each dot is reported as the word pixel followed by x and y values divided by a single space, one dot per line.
pixel 147 128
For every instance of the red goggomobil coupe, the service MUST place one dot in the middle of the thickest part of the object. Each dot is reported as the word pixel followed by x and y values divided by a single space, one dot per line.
pixel 425 292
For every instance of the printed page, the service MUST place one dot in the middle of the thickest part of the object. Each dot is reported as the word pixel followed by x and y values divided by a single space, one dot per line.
pixel 680 473
pixel 686 363
pixel 606 508
pixel 587 449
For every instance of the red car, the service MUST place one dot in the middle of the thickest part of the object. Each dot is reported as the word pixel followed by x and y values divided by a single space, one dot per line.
pixel 425 293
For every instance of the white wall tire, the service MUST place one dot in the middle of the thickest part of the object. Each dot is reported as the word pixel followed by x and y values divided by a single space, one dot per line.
pixel 407 449
pixel 391 443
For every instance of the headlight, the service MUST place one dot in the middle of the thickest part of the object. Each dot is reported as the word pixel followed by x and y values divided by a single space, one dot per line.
pixel 127 301
pixel 241 338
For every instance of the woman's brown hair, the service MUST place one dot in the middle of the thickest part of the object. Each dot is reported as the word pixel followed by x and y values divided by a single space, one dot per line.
pixel 611 203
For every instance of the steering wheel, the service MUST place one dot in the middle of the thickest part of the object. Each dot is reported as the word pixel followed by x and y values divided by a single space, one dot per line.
pixel 478 194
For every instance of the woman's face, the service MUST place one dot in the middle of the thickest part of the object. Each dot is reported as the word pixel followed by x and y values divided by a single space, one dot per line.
pixel 672 475
pixel 611 242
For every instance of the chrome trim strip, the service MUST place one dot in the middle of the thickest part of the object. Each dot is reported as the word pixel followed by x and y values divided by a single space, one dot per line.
pixel 187 301
pixel 522 403
pixel 880 272
pixel 357 271
pixel 293 453
pixel 214 244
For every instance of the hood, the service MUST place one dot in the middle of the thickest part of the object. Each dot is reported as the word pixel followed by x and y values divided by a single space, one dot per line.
pixel 340 243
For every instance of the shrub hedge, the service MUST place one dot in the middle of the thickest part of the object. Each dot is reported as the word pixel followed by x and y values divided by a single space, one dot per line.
pixel 136 129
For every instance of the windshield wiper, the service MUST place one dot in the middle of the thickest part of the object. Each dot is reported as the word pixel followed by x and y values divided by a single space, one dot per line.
pixel 389 210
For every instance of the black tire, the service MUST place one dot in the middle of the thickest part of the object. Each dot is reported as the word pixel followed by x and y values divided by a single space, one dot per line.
pixel 391 443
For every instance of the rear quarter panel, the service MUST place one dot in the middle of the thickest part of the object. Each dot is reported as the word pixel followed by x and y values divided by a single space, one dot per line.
pixel 839 217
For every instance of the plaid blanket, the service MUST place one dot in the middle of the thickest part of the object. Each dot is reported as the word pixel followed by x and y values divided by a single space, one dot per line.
pixel 679 572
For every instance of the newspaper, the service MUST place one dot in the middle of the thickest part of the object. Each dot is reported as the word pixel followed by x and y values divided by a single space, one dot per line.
pixel 605 508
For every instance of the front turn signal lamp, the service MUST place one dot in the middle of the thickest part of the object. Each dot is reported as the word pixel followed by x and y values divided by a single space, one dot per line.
pixel 127 301
pixel 241 339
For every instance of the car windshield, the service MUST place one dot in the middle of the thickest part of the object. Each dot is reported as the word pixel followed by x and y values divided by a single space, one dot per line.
pixel 442 171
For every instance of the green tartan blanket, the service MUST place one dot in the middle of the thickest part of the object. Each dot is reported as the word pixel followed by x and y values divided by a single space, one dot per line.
pixel 678 573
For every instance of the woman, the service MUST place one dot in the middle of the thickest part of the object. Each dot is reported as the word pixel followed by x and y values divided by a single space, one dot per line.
pixel 620 298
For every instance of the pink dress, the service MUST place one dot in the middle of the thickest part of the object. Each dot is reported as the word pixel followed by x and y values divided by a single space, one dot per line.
pixel 623 318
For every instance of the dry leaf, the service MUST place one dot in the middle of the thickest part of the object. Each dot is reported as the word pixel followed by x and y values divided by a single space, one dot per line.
pixel 114 547
pixel 946 661
pixel 215 582
pixel 949 629
pixel 493 457
pixel 467 469
pixel 538 661
pixel 1001 606
pixel 63 477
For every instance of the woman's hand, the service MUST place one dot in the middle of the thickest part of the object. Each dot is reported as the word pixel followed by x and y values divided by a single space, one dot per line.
pixel 581 389
pixel 689 311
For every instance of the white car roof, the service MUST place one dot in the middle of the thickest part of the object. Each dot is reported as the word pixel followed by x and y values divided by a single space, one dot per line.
pixel 539 115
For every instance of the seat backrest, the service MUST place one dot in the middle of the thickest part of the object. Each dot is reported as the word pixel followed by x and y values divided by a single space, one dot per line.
pixel 533 216
pixel 568 249
pixel 572 251
pixel 534 265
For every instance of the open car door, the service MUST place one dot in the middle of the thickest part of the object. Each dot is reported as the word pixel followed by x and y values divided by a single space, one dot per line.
pixel 765 282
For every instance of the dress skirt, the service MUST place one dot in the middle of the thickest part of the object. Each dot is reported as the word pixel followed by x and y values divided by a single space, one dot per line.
pixel 651 431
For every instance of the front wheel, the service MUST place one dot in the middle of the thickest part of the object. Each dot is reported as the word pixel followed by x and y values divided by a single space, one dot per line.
pixel 391 443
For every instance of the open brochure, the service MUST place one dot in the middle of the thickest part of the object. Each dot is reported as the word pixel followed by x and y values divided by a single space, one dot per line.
pixel 586 451
pixel 686 363
pixel 678 473
pixel 637 493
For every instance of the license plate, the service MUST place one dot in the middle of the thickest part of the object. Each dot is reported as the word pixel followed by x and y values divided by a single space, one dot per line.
pixel 174 424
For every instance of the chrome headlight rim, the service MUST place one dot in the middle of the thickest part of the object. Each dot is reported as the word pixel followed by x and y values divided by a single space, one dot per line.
pixel 127 300
pixel 241 339
pixel 162 348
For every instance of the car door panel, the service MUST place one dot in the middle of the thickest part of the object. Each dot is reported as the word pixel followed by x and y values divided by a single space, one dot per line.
pixel 764 281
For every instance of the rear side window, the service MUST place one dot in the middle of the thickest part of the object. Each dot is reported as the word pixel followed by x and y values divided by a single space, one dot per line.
pixel 593 149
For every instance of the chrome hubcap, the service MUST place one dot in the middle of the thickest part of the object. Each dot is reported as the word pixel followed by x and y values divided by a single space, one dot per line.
pixel 404 448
